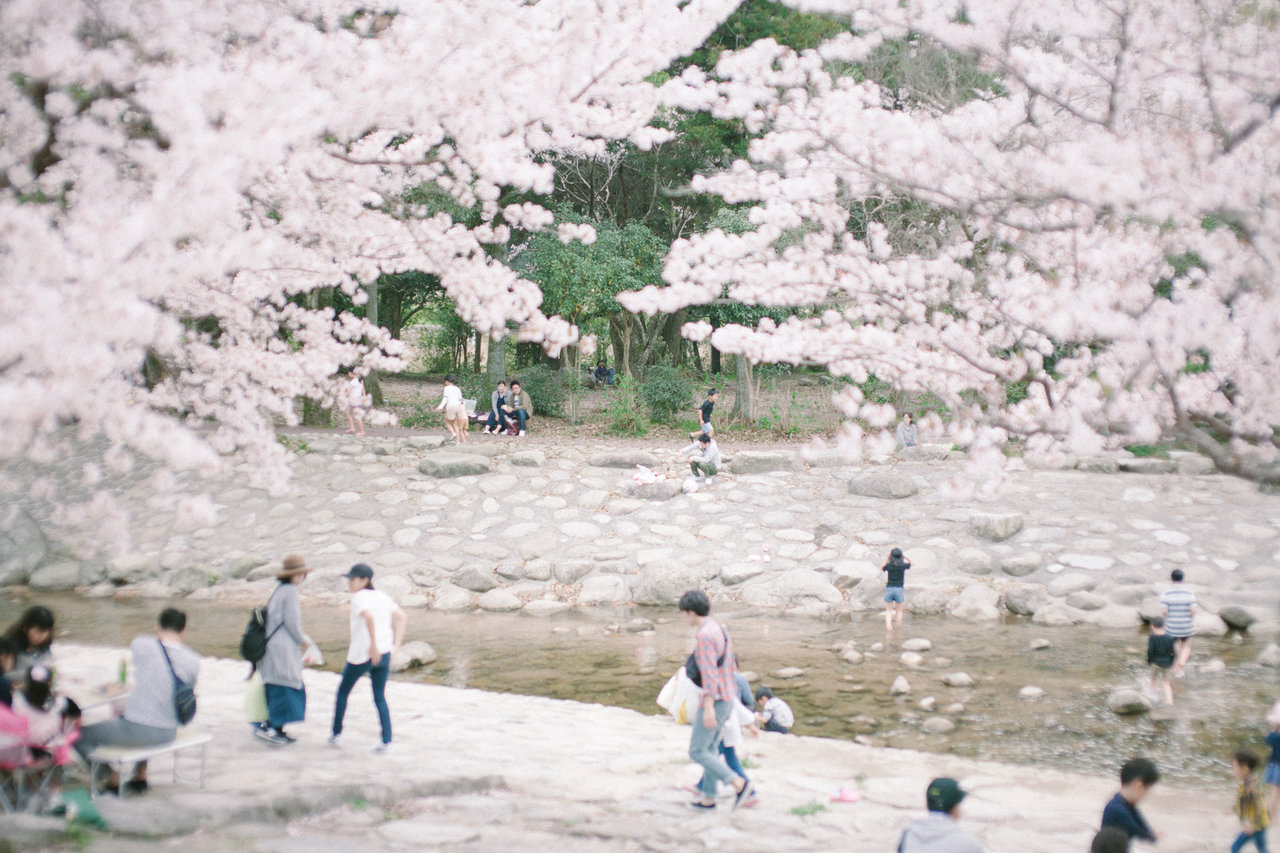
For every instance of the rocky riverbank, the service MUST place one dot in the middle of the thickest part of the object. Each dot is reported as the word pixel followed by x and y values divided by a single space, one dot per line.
pixel 473 771
pixel 505 525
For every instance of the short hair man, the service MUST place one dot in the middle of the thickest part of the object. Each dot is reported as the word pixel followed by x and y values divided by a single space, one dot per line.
pixel 704 414
pixel 1178 606
pixel 939 832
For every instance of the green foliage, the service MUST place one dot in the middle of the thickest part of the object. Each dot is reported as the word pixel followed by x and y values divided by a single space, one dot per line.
pixel 1150 450
pixel 581 282
pixel 786 420
pixel 876 390
pixel 422 417
pixel 666 392
pixel 808 809
pixel 547 388
pixel 297 446
pixel 624 410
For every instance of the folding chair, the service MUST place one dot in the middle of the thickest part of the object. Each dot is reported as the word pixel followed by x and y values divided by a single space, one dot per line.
pixel 28 770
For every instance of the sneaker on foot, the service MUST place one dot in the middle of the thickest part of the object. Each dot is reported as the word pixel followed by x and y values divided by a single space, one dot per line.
pixel 522 432
pixel 382 748
pixel 335 741
pixel 273 737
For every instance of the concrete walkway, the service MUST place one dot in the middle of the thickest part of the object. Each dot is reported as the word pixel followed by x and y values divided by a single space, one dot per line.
pixel 473 771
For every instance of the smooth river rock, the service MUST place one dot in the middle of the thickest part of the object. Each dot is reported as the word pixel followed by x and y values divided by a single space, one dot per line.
pixel 443 465
pixel 885 486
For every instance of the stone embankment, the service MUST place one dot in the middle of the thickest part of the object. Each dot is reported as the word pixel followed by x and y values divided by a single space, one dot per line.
pixel 505 525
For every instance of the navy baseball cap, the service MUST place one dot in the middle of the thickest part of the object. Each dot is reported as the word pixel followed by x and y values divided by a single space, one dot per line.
pixel 359 570
pixel 944 794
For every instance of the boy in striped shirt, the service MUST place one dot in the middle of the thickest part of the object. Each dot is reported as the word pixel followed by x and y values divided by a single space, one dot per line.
pixel 1179 608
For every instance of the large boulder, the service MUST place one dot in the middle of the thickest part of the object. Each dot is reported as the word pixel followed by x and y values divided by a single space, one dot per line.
pixel 57 576
pixel 1128 701
pixel 661 490
pixel 925 453
pixel 764 461
pixel 974 561
pixel 499 601
pixel 798 588
pixel 1147 465
pixel 1020 564
pixel 884 485
pixel 443 465
pixel 22 546
pixel 476 579
pixel 664 584
pixel 1209 624
pixel 412 655
pixel 1069 582
pixel 604 590
pixel 847 574
pixel 136 568
pixel 977 603
pixel 1270 656
pixel 1057 614
pixel 623 459
pixel 1237 618
pixel 928 601
pixel 995 526
pixel 1024 600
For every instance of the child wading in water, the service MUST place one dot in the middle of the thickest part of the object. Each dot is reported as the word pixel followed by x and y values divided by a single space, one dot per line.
pixel 1161 650
pixel 894 593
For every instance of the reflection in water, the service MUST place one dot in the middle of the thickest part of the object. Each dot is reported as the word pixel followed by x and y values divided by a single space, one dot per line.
pixel 583 657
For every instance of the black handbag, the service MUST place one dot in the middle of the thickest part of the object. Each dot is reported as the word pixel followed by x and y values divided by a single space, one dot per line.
pixel 184 695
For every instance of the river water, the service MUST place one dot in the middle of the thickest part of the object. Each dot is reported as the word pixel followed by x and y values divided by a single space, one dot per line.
pixel 593 658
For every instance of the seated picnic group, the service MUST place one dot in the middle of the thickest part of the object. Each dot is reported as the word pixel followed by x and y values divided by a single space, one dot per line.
pixel 509 410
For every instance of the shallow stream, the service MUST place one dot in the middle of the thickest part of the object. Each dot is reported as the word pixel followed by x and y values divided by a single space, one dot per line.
pixel 594 658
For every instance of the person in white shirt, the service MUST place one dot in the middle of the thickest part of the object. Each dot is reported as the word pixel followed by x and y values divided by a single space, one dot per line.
pixel 455 410
pixel 354 403
pixel 775 715
pixel 377 630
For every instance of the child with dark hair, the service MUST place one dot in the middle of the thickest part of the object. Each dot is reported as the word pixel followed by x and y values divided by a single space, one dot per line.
pixel 8 656
pixel 775 715
pixel 1161 650
pixel 1137 777
pixel 32 635
pixel 1249 806
pixel 49 716
pixel 894 589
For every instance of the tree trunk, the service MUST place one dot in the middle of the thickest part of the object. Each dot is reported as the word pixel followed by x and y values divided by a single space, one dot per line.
pixel 476 363
pixel 671 334
pixel 496 365
pixel 745 404
pixel 715 353
pixel 697 356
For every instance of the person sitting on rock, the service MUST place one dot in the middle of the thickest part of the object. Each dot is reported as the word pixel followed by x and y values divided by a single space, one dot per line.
pixel 906 431
pixel 521 405
pixel 775 715
pixel 499 411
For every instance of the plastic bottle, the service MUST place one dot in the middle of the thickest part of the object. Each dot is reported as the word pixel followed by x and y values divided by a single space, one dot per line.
pixel 124 670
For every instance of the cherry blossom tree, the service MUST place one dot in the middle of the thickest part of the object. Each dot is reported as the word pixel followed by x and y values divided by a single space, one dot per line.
pixel 1100 262
pixel 180 183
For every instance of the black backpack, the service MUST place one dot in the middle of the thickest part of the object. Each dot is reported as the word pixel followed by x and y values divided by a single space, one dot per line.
pixel 253 644
pixel 691 663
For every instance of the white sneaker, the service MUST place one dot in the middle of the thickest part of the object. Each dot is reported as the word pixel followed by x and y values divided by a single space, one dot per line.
pixel 381 748
pixel 522 432
pixel 335 741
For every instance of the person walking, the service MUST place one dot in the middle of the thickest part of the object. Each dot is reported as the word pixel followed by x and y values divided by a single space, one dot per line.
pixel 713 656
pixel 377 630
pixel 1179 611
pixel 281 667
pixel 455 410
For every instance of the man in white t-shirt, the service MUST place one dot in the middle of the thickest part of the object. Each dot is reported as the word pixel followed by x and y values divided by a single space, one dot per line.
pixel 377 630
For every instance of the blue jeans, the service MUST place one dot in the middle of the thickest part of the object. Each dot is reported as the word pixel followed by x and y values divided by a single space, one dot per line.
pixel 1259 838
pixel 351 673
pixel 498 418
pixel 730 754
pixel 704 749
pixel 522 416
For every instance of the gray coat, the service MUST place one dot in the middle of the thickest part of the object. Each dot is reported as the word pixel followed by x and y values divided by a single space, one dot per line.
pixel 283 662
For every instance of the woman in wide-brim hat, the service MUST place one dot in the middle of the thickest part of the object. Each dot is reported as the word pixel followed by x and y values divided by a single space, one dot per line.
pixel 281 667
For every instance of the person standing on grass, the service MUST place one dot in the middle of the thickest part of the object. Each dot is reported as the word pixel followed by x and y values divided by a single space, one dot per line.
pixel 713 652
pixel 377 630
pixel 455 411
pixel 704 415
pixel 1179 612
pixel 895 588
